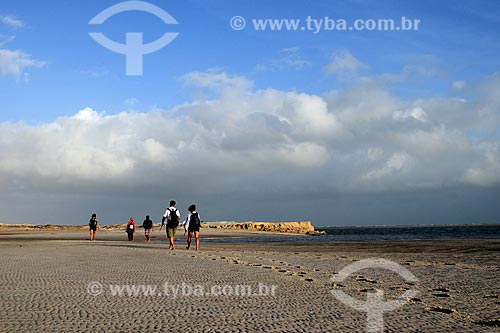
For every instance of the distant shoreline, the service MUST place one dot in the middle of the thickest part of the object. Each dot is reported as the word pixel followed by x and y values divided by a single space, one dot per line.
pixel 295 227
pixel 117 226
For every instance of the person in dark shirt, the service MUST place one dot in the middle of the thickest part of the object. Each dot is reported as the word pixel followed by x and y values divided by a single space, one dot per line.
pixel 192 226
pixel 93 225
pixel 148 228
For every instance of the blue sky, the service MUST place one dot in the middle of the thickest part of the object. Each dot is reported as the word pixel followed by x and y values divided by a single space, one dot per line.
pixel 461 37
pixel 351 120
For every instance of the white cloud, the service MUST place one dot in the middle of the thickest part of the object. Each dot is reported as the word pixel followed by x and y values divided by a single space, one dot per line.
pixel 5 39
pixel 131 102
pixel 344 62
pixel 210 137
pixel 357 139
pixel 11 22
pixel 14 62
pixel 217 80
pixel 458 85
pixel 94 73
pixel 396 164
pixel 416 113
pixel 288 58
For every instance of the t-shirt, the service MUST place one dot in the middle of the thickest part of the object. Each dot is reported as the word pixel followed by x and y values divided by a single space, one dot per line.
pixel 147 224
pixel 131 226
pixel 93 222
pixel 167 213
pixel 188 220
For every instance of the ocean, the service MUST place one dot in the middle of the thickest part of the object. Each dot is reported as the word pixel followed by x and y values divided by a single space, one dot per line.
pixel 378 234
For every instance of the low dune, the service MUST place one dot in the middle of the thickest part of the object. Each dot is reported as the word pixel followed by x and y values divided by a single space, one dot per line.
pixel 302 227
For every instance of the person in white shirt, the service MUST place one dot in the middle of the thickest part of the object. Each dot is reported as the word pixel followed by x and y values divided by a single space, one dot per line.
pixel 192 225
pixel 172 215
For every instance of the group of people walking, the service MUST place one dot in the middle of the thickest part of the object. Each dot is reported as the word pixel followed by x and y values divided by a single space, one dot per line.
pixel 172 217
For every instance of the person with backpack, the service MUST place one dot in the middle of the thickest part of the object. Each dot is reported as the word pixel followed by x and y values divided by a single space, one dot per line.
pixel 172 215
pixel 192 225
pixel 93 225
pixel 148 227
pixel 130 229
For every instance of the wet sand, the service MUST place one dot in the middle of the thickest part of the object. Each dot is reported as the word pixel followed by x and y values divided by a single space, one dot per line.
pixel 45 280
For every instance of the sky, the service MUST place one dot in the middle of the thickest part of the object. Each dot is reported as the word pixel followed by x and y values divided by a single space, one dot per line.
pixel 340 127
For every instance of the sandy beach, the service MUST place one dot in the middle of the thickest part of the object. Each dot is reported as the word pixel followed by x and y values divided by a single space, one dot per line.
pixel 58 281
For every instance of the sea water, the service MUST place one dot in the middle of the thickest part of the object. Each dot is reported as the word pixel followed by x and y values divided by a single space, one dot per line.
pixel 376 234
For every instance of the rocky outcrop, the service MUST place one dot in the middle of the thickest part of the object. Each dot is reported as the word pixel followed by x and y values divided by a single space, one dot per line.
pixel 303 227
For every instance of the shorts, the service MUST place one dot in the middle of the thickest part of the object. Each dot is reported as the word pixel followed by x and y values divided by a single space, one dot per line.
pixel 194 228
pixel 94 228
pixel 147 232
pixel 171 232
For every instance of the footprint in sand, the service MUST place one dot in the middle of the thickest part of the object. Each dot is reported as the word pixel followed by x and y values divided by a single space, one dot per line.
pixel 442 290
pixel 363 279
pixel 489 323
pixel 366 290
pixel 407 262
pixel 440 310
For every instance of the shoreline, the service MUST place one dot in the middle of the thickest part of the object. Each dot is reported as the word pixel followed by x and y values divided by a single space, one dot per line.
pixel 276 241
pixel 211 224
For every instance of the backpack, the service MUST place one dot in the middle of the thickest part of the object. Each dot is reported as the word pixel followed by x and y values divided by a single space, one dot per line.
pixel 173 219
pixel 93 222
pixel 148 224
pixel 195 220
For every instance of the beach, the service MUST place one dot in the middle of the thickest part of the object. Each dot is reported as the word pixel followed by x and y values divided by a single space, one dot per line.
pixel 58 281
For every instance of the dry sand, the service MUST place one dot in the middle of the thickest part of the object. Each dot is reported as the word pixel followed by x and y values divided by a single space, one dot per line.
pixel 45 276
